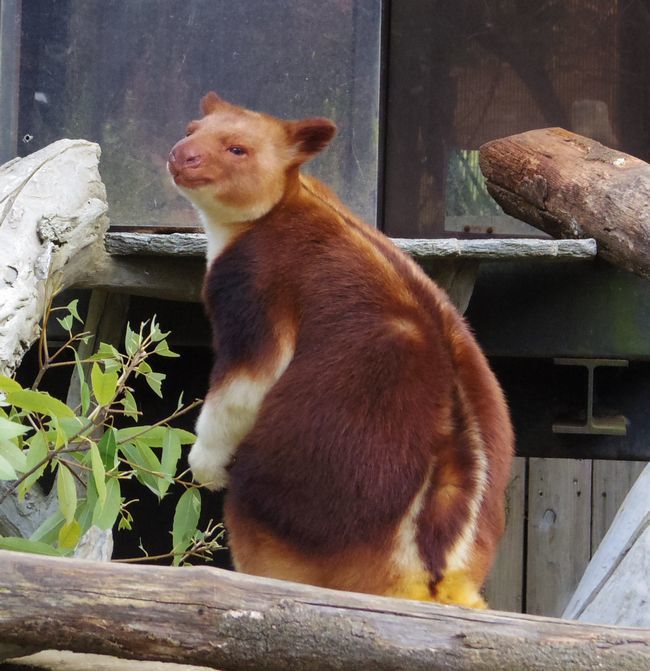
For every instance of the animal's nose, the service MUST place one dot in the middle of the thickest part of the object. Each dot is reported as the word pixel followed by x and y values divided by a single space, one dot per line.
pixel 184 155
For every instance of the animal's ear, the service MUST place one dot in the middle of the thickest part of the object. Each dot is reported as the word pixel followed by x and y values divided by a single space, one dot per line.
pixel 210 102
pixel 310 136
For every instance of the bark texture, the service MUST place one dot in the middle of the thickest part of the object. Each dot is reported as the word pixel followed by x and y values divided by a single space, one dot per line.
pixel 573 187
pixel 52 222
pixel 237 622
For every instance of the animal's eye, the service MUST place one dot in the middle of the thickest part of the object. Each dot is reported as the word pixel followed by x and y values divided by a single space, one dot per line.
pixel 237 150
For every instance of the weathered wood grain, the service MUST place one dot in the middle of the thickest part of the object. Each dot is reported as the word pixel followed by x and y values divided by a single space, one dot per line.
pixel 573 187
pixel 193 244
pixel 615 588
pixel 52 221
pixel 504 589
pixel 234 621
pixel 611 482
pixel 559 522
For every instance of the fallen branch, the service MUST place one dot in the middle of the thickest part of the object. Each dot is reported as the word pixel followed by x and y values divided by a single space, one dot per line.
pixel 231 621
pixel 572 187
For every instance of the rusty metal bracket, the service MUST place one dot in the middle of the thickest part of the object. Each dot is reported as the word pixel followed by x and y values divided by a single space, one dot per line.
pixel 604 426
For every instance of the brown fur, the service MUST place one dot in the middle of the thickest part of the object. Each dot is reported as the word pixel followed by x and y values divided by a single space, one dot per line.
pixel 377 457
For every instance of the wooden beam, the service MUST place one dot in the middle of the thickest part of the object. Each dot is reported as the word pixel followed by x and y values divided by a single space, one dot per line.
pixel 194 245
pixel 573 187
pixel 231 621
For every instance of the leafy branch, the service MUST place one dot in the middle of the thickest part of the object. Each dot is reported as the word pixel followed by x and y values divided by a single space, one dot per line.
pixel 90 451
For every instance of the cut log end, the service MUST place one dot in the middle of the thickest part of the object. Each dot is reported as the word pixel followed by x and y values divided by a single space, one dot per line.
pixel 570 186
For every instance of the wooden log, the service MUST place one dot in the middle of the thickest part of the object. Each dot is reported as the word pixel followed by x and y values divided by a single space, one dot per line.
pixel 572 187
pixel 52 223
pixel 231 621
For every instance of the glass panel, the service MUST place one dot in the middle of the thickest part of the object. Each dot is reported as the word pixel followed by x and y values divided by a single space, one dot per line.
pixel 467 72
pixel 129 75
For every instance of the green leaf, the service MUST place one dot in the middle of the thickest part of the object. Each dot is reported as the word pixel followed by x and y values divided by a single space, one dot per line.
pixel 162 349
pixel 130 405
pixel 48 531
pixel 7 471
pixel 144 368
pixel 132 341
pixel 36 452
pixel 66 492
pixel 186 517
pixel 40 402
pixel 70 426
pixel 14 455
pixel 66 323
pixel 104 384
pixel 153 436
pixel 104 516
pixel 155 380
pixel 9 430
pixel 143 460
pixel 99 473
pixel 171 453
pixel 107 447
pixel 72 309
pixel 156 334
pixel 25 545
pixel 69 535
pixel 85 397
pixel 8 384
pixel 105 351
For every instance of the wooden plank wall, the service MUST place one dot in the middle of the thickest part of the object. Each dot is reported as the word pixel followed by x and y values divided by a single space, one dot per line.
pixel 558 511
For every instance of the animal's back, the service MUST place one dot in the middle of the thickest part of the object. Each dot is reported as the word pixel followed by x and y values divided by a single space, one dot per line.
pixel 369 450
pixel 363 438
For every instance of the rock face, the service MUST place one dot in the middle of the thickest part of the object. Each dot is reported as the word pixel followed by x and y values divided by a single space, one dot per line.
pixel 52 222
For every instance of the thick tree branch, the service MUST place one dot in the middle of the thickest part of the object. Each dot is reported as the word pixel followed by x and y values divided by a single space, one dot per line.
pixel 572 187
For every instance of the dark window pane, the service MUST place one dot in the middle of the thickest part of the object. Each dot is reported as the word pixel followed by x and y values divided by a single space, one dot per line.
pixel 129 75
pixel 467 72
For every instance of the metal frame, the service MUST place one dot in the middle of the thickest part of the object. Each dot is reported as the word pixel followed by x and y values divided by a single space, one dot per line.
pixel 10 25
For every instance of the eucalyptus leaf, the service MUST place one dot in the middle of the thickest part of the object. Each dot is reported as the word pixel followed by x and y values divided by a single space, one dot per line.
pixel 104 516
pixel 132 341
pixel 14 455
pixel 38 401
pixel 9 430
pixel 8 384
pixel 107 447
pixel 186 517
pixel 171 453
pixel 69 535
pixel 99 473
pixel 36 452
pixel 25 545
pixel 66 492
pixel 7 471
pixel 104 384
pixel 48 531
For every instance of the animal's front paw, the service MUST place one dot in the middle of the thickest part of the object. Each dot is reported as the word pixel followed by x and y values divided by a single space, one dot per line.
pixel 206 467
